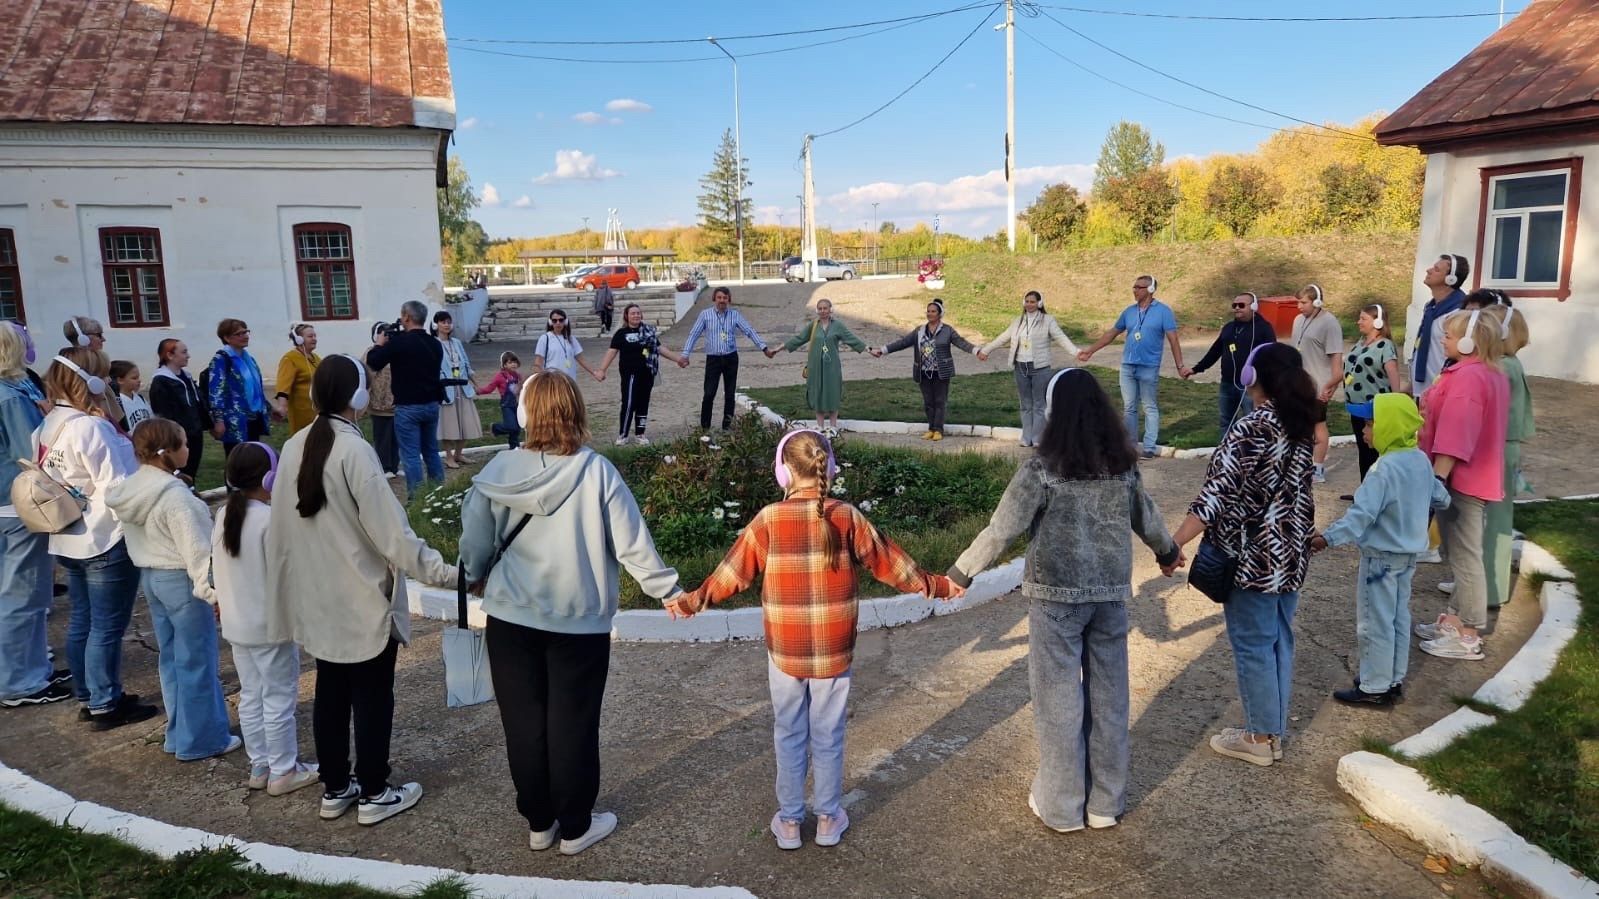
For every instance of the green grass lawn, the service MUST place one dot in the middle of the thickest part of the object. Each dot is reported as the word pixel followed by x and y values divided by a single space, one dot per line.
pixel 38 858
pixel 210 473
pixel 1187 408
pixel 1537 769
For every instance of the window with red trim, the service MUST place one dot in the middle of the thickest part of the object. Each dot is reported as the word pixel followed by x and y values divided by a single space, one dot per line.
pixel 324 254
pixel 10 279
pixel 135 283
pixel 1527 225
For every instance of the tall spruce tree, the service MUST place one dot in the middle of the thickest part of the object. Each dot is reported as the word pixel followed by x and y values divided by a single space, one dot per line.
pixel 720 210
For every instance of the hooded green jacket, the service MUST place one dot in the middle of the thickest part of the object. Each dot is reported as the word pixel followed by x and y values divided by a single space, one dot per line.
pixel 1392 505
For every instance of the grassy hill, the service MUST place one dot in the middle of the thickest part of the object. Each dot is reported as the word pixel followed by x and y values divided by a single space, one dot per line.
pixel 1087 289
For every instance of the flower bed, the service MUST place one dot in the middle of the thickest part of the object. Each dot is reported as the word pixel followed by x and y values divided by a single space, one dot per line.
pixel 696 494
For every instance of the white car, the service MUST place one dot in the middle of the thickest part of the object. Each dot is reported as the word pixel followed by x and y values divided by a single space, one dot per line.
pixel 826 268
pixel 570 278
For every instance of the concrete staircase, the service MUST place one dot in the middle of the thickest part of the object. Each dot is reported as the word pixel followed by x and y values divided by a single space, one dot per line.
pixel 524 315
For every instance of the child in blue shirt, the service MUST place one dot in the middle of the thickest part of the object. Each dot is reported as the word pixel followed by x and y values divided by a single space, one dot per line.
pixel 1389 523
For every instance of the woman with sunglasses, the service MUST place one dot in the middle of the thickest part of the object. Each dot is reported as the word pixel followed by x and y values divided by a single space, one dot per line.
pixel 558 350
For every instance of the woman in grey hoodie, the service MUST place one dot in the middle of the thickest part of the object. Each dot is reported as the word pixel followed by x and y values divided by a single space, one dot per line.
pixel 543 532
pixel 1078 501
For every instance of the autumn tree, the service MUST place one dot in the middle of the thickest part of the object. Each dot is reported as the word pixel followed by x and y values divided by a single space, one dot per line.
pixel 1238 195
pixel 1056 214
pixel 461 239
pixel 1349 194
pixel 1128 151
pixel 722 213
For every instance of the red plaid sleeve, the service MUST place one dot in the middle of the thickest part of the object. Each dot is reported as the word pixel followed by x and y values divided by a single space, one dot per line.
pixel 739 567
pixel 889 563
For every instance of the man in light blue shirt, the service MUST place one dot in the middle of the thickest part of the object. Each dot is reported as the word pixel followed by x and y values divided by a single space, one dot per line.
pixel 720 326
pixel 1145 323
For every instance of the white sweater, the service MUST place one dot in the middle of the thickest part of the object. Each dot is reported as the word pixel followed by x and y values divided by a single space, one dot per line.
pixel 241 583
pixel 87 454
pixel 167 526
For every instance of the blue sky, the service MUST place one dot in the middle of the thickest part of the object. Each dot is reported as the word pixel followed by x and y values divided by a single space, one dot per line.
pixel 562 140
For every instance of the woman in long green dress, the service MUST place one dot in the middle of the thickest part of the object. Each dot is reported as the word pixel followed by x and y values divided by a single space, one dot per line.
pixel 824 381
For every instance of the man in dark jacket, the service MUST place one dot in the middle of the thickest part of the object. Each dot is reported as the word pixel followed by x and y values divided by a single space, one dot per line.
pixel 416 357
pixel 1236 340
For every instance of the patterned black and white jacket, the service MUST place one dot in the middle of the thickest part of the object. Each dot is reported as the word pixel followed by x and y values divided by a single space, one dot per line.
pixel 1257 503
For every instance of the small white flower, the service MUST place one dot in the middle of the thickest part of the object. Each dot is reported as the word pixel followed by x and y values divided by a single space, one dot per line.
pixel 732 515
pixel 438 521
pixel 731 504
pixel 705 438
pixel 899 490
pixel 669 460
pixel 715 446
pixel 717 513
pixel 866 505
pixel 847 464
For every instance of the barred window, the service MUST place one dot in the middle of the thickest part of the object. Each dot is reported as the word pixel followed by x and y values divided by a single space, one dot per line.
pixel 10 279
pixel 135 283
pixel 325 257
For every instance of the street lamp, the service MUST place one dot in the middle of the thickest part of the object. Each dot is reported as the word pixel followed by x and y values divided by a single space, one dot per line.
pixel 738 151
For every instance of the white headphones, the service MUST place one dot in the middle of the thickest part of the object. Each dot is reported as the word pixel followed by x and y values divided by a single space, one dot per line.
pixel 78 337
pixel 361 398
pixel 1468 341
pixel 1317 301
pixel 1451 279
pixel 1153 283
pixel 1049 392
pixel 1381 321
pixel 294 334
pixel 1254 301
pixel 1503 299
pixel 95 384
pixel 521 407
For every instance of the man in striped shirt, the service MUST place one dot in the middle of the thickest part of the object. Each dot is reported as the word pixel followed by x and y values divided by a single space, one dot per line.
pixel 720 326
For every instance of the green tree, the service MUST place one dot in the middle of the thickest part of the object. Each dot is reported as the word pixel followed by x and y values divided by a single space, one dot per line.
pixel 1128 151
pixel 1350 194
pixel 1145 200
pixel 1238 195
pixel 461 239
pixel 721 212
pixel 1056 215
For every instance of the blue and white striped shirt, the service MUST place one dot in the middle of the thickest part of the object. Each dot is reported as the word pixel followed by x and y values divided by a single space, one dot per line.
pixel 720 330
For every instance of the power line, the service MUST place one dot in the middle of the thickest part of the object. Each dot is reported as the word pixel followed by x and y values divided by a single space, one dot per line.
pixel 1143 65
pixel 735 37
pixel 1192 17
pixel 1142 93
pixel 670 61
pixel 984 21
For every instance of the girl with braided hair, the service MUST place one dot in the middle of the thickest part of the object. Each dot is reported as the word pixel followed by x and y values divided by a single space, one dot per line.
pixel 808 544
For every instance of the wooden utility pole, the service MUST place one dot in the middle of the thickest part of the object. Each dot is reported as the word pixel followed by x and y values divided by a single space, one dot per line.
pixel 808 249
pixel 1010 123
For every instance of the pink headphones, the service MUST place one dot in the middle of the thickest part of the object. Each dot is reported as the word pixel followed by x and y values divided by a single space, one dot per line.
pixel 1246 375
pixel 272 472
pixel 781 471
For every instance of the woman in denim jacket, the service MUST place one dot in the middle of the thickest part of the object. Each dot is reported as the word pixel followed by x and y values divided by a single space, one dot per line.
pixel 1079 501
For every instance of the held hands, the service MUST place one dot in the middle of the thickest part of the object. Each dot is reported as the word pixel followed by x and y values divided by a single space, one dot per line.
pixel 877 352
pixel 1084 355
pixel 1325 394
pixel 682 362
pixel 1180 562
pixel 982 356
pixel 685 605
pixel 1186 373
pixel 218 430
pixel 956 591
pixel 1317 543
pixel 770 352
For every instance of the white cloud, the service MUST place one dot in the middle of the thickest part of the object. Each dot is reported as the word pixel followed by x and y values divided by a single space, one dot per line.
pixel 575 165
pixel 467 124
pixel 968 193
pixel 615 121
pixel 788 216
pixel 491 195
pixel 624 104
pixel 523 202
pixel 588 118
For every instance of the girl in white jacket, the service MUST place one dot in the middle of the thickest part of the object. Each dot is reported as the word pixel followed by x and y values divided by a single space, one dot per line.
pixel 169 536
pixel 264 651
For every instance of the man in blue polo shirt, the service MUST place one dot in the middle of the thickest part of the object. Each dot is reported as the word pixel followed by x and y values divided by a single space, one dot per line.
pixel 1146 323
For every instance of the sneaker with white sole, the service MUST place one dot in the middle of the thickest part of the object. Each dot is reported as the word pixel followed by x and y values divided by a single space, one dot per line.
pixel 1437 629
pixel 1318 474
pixel 51 692
pixel 1235 744
pixel 623 440
pixel 830 828
pixel 259 775
pixel 1033 804
pixel 1431 557
pixel 1101 822
pixel 336 804
pixel 601 825
pixel 1277 743
pixel 299 778
pixel 385 805
pixel 540 840
pixel 786 832
pixel 641 440
pixel 1454 646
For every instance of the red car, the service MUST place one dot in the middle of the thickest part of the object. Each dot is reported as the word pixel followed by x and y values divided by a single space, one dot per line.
pixel 615 275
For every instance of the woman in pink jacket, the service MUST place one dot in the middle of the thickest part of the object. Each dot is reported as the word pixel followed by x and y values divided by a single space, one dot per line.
pixel 1466 412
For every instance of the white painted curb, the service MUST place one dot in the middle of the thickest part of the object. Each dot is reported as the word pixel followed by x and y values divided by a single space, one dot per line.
pixel 1400 797
pixel 716 626
pixel 19 791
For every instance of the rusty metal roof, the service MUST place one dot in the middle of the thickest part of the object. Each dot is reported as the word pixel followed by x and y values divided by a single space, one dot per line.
pixel 374 63
pixel 1539 72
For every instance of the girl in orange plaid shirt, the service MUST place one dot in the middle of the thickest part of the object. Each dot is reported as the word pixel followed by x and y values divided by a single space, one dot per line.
pixel 808 546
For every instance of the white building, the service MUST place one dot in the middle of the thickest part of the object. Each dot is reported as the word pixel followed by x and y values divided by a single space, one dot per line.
pixel 165 165
pixel 1511 134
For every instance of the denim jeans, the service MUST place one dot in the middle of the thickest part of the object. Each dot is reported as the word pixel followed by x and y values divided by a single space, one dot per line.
pixel 102 589
pixel 1077 663
pixel 416 429
pixel 25 570
pixel 1260 629
pixel 1232 403
pixel 508 426
pixel 1031 381
pixel 808 717
pixel 1382 623
pixel 191 688
pixel 1138 390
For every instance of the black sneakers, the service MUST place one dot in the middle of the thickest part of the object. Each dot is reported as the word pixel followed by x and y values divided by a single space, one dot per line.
pixel 1357 696
pixel 51 692
pixel 128 710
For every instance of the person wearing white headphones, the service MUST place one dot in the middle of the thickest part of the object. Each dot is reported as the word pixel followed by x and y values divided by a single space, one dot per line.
pixel 339 549
pixel 1029 338
pixel 83 331
pixel 1145 323
pixel 1370 369
pixel 79 446
pixel 293 398
pixel 1444 279
pixel 1320 342
pixel 550 598
pixel 1234 342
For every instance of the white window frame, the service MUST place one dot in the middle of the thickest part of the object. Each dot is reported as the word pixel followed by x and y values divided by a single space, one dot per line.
pixel 1491 230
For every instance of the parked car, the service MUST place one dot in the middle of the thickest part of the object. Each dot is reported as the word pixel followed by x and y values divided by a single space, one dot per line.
pixel 827 269
pixel 570 278
pixel 792 268
pixel 615 275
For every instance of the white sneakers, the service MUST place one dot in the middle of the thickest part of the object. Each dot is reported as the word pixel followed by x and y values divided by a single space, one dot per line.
pixel 1431 557
pixel 622 440
pixel 641 440
pixel 787 833
pixel 1234 743
pixel 1033 804
pixel 1447 588
pixel 301 777
pixel 1451 645
pixel 540 840
pixel 601 825
pixel 387 804
pixel 336 804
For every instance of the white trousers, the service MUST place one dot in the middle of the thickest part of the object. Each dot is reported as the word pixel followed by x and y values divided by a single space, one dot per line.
pixel 269 690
